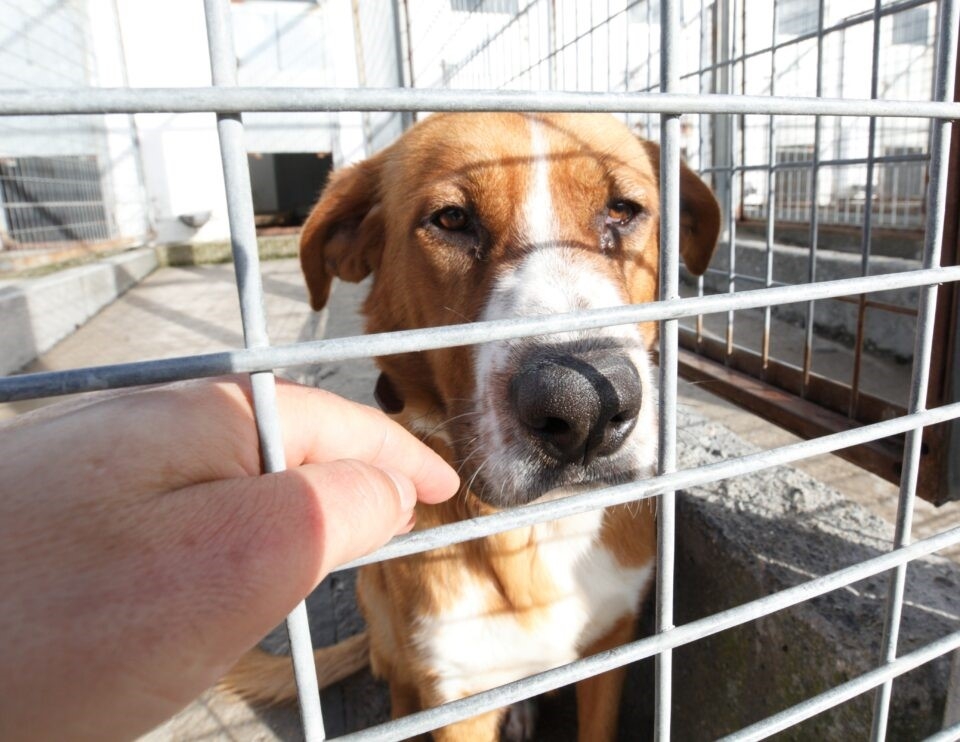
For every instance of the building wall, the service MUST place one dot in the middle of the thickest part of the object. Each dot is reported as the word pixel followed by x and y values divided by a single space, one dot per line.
pixel 68 43
pixel 278 44
pixel 157 168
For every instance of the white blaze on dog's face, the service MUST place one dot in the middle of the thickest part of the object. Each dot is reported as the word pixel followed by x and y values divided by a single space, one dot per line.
pixel 527 447
pixel 490 216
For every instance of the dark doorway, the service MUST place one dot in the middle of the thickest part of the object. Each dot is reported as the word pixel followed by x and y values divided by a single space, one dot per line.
pixel 286 185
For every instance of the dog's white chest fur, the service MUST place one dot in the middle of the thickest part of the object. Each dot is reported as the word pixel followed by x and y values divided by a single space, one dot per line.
pixel 471 649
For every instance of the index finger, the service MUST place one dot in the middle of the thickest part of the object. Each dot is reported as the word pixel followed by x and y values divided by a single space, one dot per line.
pixel 319 427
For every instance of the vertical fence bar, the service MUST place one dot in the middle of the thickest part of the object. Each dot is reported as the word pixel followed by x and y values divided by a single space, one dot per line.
pixel 923 349
pixel 609 78
pixel 4 219
pixel 951 710
pixel 814 209
pixel 701 160
pixel 669 283
pixel 731 173
pixel 406 117
pixel 771 190
pixel 865 240
pixel 246 259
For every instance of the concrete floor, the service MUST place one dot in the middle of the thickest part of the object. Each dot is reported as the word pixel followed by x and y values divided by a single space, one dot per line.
pixel 183 311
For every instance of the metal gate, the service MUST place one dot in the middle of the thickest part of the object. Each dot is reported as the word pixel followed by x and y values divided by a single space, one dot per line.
pixel 662 111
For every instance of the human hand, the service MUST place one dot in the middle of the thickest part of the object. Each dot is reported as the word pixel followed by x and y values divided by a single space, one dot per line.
pixel 142 552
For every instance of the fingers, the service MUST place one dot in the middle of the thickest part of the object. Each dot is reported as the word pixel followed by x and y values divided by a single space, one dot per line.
pixel 145 606
pixel 355 509
pixel 178 435
pixel 264 543
pixel 277 535
pixel 320 427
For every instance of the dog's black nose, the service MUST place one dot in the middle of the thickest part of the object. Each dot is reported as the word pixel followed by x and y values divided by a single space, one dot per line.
pixel 577 407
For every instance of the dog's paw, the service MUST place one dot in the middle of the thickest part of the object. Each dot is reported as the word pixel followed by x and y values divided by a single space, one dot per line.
pixel 519 722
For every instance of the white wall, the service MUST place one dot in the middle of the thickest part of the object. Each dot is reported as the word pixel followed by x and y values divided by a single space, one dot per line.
pixel 279 44
pixel 298 44
pixel 165 45
pixel 124 189
pixel 56 44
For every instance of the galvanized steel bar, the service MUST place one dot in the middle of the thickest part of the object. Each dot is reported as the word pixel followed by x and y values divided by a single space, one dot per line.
pixel 947 734
pixel 846 691
pixel 731 179
pixel 832 162
pixel 243 237
pixel 248 360
pixel 700 158
pixel 257 99
pixel 667 409
pixel 951 709
pixel 866 235
pixel 923 349
pixel 528 515
pixel 771 195
pixel 814 213
pixel 504 695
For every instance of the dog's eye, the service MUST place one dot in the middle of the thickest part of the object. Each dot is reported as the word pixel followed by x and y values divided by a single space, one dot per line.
pixel 620 213
pixel 452 219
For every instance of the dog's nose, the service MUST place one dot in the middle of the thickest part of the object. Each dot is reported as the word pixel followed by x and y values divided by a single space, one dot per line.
pixel 577 407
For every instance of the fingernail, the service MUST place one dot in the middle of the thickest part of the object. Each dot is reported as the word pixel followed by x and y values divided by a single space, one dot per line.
pixel 405 490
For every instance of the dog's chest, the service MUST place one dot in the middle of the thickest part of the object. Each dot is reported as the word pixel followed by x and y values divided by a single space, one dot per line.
pixel 473 645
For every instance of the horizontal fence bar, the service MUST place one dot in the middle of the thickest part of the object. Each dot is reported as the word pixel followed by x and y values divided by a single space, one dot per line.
pixel 417 542
pixel 846 691
pixel 505 695
pixel 746 277
pixel 807 164
pixel 255 99
pixel 248 360
pixel 947 734
pixel 842 25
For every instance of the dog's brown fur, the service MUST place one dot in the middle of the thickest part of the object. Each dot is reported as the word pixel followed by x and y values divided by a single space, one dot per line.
pixel 370 220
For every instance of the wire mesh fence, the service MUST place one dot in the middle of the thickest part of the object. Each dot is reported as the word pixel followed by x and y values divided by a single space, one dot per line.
pixel 765 166
pixel 71 180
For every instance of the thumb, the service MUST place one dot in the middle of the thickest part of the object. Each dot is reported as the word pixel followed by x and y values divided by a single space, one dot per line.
pixel 265 542
pixel 357 508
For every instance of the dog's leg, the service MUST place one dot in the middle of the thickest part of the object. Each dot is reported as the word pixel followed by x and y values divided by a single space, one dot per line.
pixel 404 700
pixel 483 728
pixel 598 698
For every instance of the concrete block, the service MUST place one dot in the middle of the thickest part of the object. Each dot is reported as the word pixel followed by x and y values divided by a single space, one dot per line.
pixel 40 312
pixel 884 332
pixel 754 535
pixel 17 344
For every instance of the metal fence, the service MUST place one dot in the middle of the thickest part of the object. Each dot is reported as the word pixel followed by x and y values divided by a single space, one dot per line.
pixel 751 47
pixel 670 102
pixel 794 189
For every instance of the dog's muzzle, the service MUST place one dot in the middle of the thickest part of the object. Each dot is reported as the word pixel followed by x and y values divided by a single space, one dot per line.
pixel 576 407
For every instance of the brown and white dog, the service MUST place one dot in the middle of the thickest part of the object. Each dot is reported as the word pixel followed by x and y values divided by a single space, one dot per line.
pixel 487 216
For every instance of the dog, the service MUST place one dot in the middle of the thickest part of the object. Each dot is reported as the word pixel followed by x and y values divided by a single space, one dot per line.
pixel 472 217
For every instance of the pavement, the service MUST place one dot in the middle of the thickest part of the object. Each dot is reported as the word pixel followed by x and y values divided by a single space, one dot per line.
pixel 187 310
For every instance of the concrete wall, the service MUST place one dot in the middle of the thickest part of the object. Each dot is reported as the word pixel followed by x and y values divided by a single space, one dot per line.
pixel 39 312
pixel 747 537
pixel 884 332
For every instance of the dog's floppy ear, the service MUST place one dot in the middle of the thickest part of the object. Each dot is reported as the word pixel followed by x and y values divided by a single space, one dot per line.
pixel 699 215
pixel 343 235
